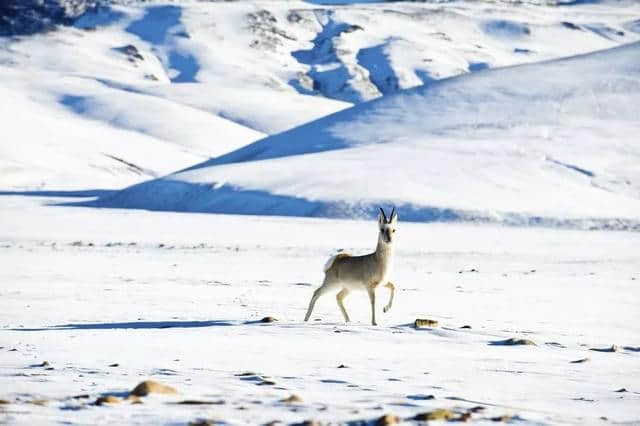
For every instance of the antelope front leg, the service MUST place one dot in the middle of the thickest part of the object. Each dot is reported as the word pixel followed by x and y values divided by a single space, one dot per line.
pixel 392 289
pixel 372 298
pixel 339 298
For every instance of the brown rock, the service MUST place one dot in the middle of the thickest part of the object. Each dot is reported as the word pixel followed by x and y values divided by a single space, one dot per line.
pixel 308 423
pixel 466 327
pixel 425 323
pixel 268 319
pixel 4 402
pixel 150 386
pixel 464 417
pixel 134 399
pixel 38 402
pixel 387 419
pixel 201 422
pixel 198 402
pixel 266 383
pixel 292 399
pixel 439 414
pixel 109 399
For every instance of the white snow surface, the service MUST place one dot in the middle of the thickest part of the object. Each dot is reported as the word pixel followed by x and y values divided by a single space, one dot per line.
pixel 176 298
pixel 291 117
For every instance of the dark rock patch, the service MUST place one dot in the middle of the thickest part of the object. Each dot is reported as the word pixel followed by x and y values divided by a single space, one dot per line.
pixel 108 399
pixel 513 342
pixel 613 348
pixel 198 402
pixel 580 361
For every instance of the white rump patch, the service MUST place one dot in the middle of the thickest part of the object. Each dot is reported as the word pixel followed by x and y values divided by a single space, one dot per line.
pixel 333 258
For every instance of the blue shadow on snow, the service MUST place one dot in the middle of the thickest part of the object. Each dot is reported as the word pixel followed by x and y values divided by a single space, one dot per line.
pixel 178 196
pixel 159 26
pixel 332 78
pixel 375 60
pixel 140 325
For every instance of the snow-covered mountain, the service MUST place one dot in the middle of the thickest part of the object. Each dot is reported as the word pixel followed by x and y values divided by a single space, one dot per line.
pixel 526 144
pixel 133 90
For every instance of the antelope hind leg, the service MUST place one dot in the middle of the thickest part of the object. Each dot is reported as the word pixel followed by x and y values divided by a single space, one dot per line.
pixel 319 291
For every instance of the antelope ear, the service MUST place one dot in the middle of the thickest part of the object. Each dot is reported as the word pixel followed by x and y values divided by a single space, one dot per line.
pixel 382 218
pixel 394 216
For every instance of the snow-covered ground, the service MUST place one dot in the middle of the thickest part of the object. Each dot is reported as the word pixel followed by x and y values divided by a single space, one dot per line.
pixel 176 298
pixel 124 137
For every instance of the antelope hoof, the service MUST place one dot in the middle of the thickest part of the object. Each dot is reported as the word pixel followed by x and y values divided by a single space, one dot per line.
pixel 374 323
pixel 386 308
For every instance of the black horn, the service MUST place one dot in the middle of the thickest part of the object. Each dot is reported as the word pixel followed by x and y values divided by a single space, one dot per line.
pixel 383 214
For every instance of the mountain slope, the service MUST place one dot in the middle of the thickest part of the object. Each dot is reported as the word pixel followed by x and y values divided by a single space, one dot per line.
pixel 527 144
pixel 132 89
pixel 64 132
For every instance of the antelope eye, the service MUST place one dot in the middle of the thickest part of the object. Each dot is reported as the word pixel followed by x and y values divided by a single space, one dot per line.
pixel 393 230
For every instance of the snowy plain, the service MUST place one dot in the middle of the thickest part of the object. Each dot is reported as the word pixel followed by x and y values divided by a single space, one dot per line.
pixel 172 172
pixel 97 97
pixel 178 298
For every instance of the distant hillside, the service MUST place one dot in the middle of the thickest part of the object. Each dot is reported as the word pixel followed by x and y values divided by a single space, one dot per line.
pixel 130 90
pixel 553 143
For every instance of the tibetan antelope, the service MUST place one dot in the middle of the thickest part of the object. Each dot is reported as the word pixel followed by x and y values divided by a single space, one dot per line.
pixel 345 272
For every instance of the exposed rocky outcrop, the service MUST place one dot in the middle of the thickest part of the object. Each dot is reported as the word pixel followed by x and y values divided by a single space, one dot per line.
pixel 24 17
